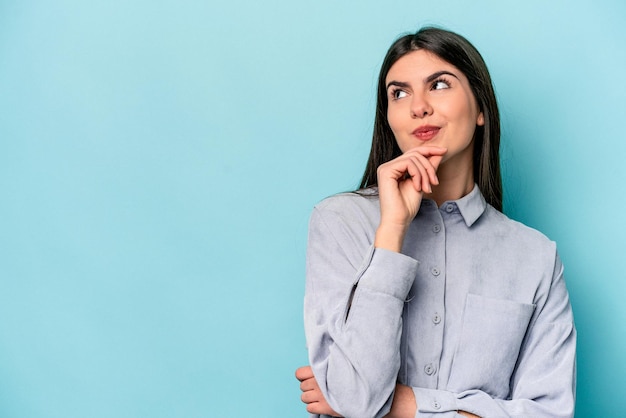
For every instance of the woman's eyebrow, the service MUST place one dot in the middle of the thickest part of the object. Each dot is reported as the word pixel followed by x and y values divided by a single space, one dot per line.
pixel 427 80
pixel 438 74
pixel 400 84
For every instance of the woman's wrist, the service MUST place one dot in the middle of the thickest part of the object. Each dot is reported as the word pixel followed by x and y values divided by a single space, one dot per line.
pixel 390 237
pixel 404 405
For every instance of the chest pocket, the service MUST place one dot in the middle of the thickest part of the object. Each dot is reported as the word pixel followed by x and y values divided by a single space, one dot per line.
pixel 491 338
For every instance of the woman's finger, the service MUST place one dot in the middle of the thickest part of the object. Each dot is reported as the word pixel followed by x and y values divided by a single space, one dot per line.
pixel 431 168
pixel 418 174
pixel 309 384
pixel 435 160
pixel 312 396
pixel 321 408
pixel 303 373
pixel 428 150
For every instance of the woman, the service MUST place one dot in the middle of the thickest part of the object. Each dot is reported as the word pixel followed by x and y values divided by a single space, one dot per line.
pixel 422 298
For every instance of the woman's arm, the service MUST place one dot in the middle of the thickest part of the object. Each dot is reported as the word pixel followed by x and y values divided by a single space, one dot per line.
pixel 403 406
pixel 353 305
pixel 543 383
pixel 355 291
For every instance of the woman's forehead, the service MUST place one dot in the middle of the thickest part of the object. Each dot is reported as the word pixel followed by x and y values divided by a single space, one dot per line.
pixel 419 63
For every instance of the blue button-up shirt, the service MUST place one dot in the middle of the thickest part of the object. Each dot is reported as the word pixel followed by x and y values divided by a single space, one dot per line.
pixel 473 314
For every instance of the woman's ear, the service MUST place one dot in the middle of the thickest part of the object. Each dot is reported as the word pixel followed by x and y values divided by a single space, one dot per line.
pixel 480 121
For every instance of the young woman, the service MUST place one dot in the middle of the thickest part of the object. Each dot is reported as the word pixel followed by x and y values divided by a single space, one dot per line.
pixel 422 298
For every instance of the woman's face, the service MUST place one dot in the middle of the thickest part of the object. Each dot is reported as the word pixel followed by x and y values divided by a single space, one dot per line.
pixel 430 102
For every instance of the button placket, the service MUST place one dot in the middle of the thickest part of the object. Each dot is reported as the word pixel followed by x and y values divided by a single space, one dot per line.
pixel 431 277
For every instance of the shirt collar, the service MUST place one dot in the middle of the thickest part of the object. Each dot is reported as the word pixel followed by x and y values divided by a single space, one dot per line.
pixel 471 206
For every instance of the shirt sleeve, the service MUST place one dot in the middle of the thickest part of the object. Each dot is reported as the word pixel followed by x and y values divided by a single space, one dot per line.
pixel 353 307
pixel 544 380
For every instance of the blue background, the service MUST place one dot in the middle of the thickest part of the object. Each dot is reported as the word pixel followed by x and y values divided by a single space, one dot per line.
pixel 159 161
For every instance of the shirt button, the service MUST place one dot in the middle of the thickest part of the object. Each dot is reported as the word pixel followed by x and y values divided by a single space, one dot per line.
pixel 449 208
pixel 435 271
pixel 436 318
pixel 436 228
pixel 436 404
pixel 429 369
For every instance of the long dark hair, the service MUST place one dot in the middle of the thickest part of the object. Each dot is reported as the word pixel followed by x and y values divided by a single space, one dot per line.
pixel 459 52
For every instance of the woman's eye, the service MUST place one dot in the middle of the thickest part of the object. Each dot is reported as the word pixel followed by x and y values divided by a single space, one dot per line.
pixel 398 94
pixel 440 85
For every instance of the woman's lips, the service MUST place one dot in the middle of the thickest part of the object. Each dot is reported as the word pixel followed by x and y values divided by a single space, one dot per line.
pixel 426 133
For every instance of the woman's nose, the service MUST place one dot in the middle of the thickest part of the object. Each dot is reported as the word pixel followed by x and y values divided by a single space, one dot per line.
pixel 420 107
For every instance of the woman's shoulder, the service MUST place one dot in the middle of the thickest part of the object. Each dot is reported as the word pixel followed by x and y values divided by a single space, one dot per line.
pixel 355 210
pixel 347 202
pixel 520 233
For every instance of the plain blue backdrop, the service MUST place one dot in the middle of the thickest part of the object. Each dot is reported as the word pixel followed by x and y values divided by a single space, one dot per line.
pixel 159 161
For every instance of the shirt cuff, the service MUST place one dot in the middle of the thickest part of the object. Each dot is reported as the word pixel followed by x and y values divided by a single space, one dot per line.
pixel 432 401
pixel 389 272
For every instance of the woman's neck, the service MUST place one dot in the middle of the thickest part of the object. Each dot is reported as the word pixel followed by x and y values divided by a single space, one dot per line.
pixel 456 179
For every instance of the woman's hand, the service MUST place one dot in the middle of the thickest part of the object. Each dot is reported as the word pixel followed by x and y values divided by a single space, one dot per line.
pixel 402 183
pixel 403 405
pixel 311 393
